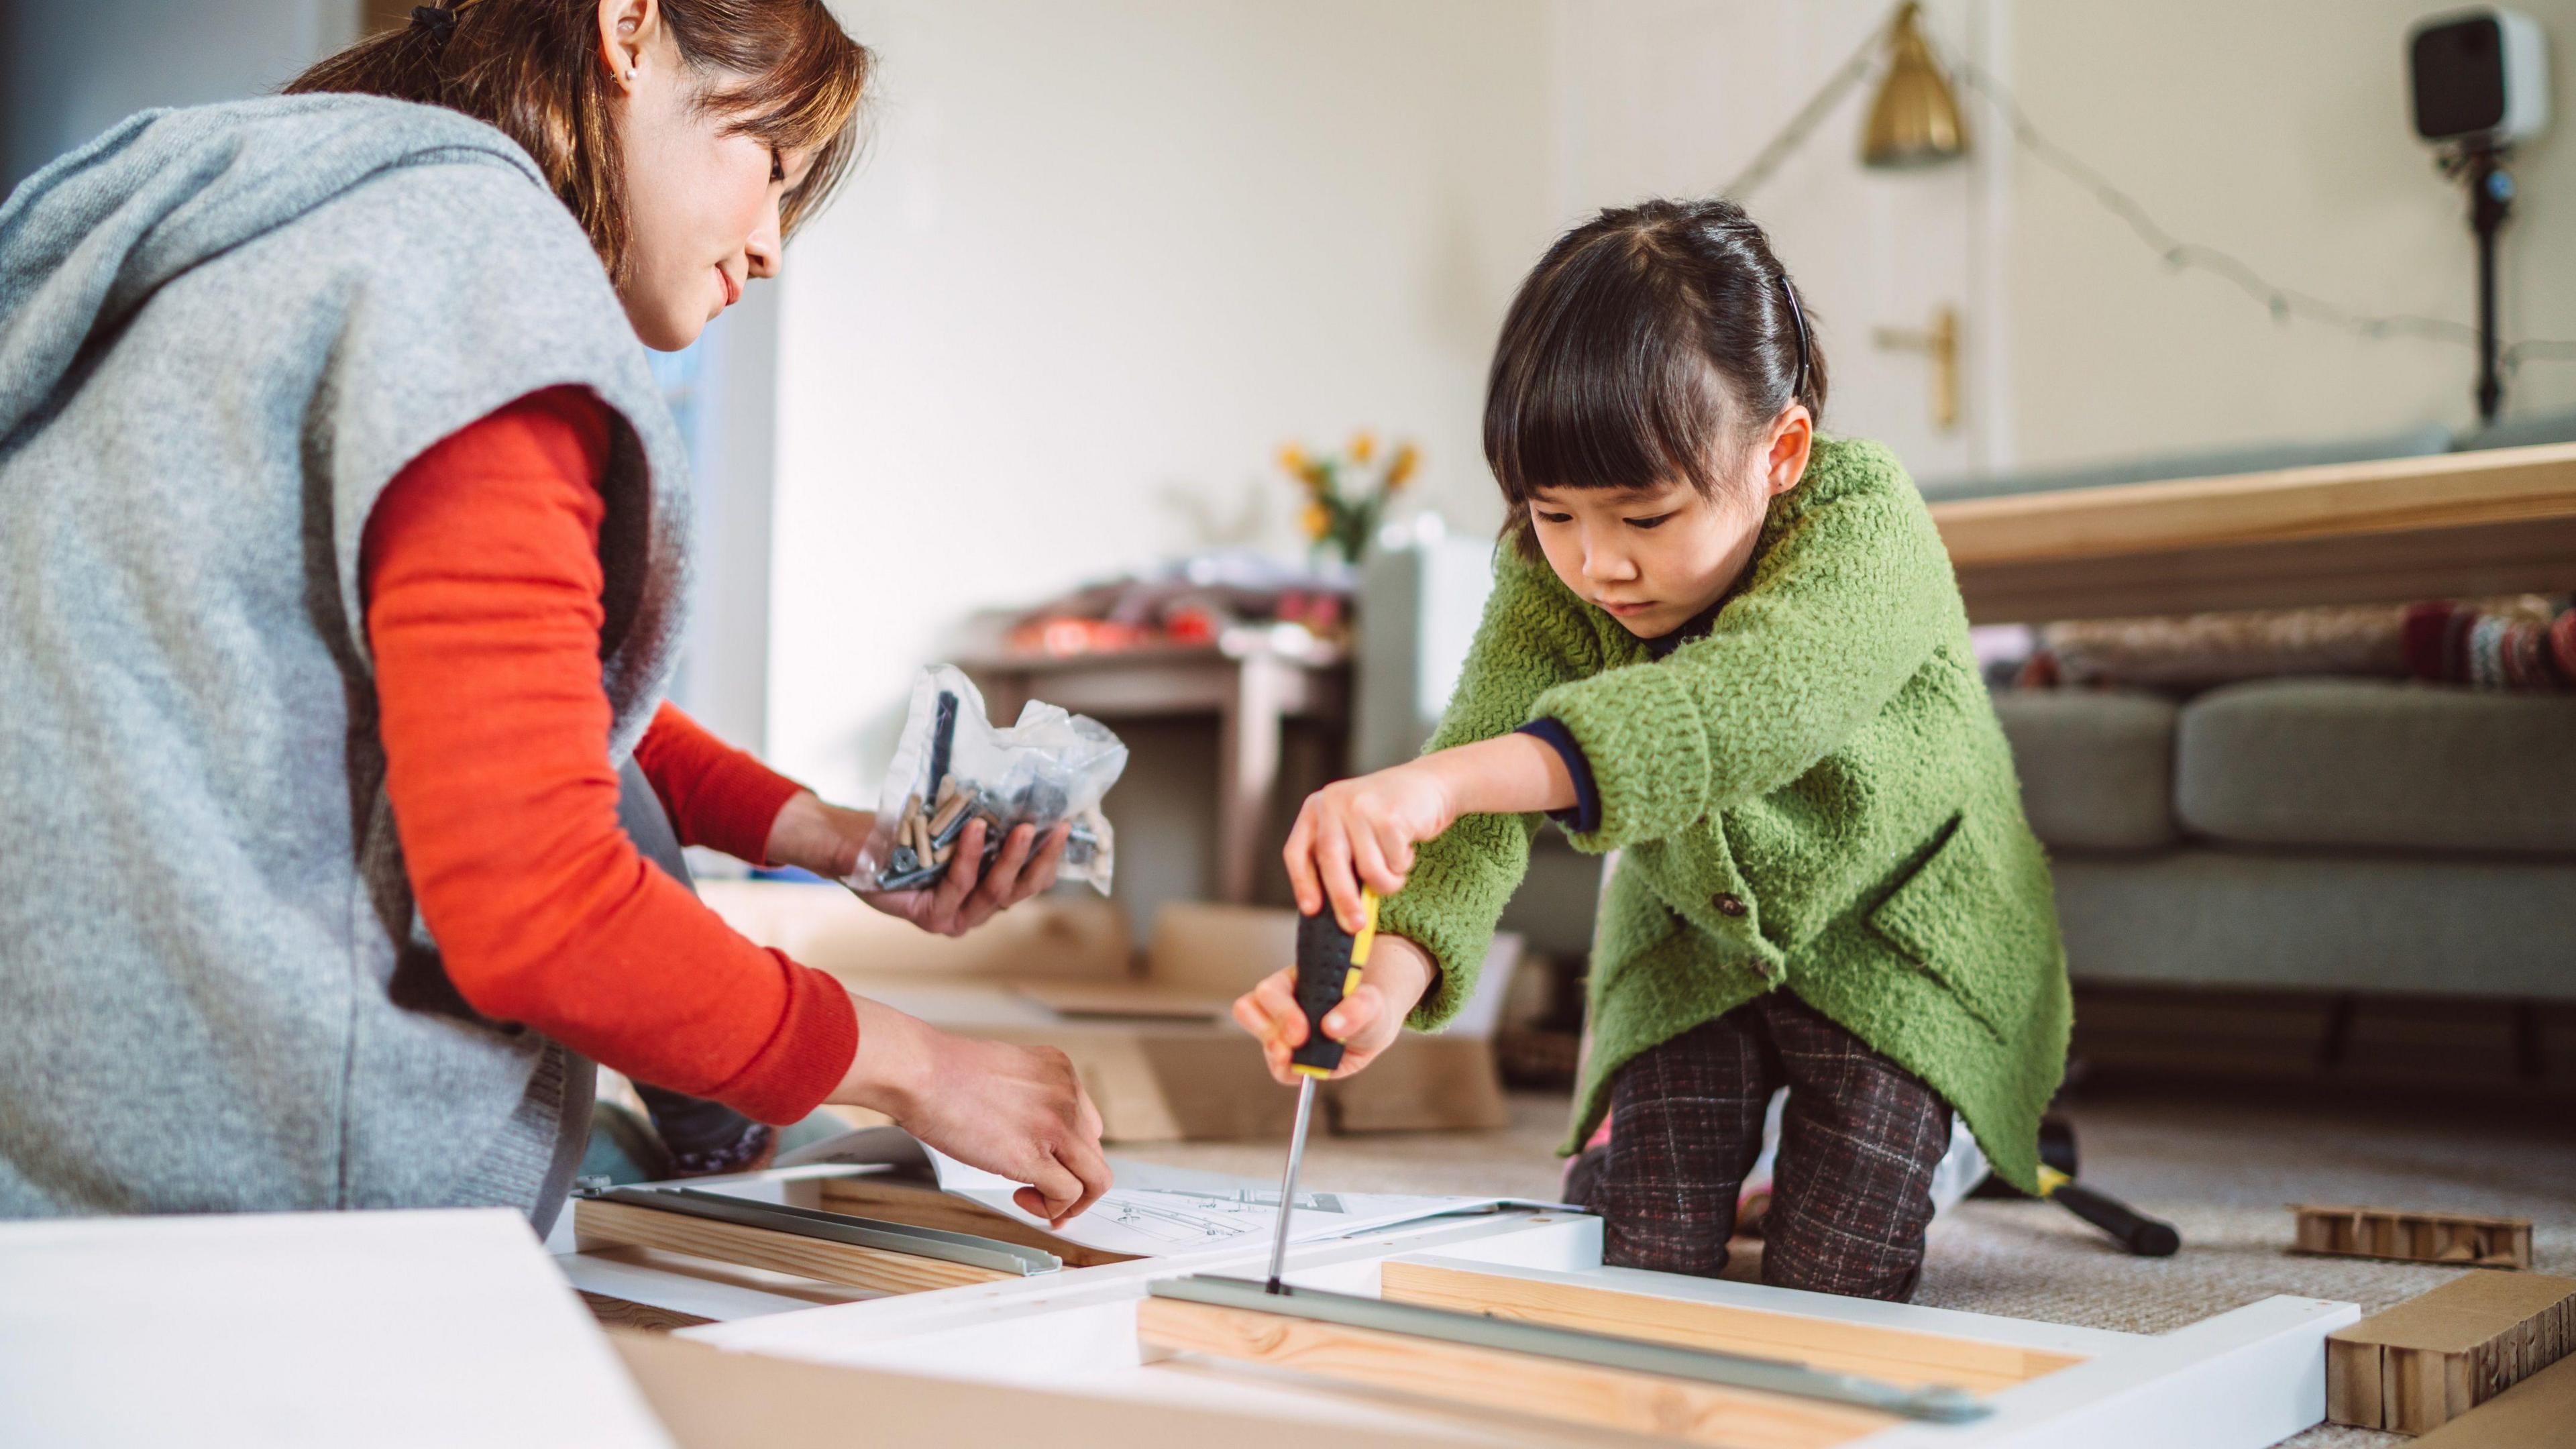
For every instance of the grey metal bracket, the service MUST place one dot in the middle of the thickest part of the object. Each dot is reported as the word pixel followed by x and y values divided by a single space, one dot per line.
pixel 838 1228
pixel 1939 1403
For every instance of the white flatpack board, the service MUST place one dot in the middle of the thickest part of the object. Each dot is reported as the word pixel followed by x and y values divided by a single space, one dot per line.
pixel 284 1330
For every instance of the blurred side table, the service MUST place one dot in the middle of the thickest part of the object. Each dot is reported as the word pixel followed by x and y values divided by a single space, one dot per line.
pixel 1252 680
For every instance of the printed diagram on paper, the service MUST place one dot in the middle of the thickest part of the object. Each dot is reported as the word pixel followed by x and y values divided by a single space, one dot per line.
pixel 1153 1211
pixel 1160 1212
pixel 1199 1219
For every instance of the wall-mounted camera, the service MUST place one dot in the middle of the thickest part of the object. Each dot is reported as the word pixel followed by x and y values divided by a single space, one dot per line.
pixel 2480 77
pixel 2481 83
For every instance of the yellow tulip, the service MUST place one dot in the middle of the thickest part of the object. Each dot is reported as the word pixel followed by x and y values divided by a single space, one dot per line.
pixel 1293 459
pixel 1401 470
pixel 1363 446
pixel 1318 520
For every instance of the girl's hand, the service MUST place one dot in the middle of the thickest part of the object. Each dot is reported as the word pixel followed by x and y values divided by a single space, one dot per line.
pixel 1397 975
pixel 1362 832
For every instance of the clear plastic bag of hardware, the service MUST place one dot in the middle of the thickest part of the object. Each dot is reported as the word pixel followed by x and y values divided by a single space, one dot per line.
pixel 953 766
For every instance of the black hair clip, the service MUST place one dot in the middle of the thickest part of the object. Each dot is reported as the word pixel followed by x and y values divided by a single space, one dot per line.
pixel 1800 319
pixel 438 20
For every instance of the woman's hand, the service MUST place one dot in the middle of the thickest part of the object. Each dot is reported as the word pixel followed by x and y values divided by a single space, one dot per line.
pixel 1393 982
pixel 961 899
pixel 1017 1111
pixel 1361 832
pixel 825 839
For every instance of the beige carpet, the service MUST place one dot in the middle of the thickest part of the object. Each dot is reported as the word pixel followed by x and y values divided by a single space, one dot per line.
pixel 2219 1170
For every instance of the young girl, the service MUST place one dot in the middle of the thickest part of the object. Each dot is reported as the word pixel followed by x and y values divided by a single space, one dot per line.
pixel 1731 651
pixel 342 549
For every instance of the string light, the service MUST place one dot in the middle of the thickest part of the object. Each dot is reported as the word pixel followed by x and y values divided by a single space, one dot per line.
pixel 2284 304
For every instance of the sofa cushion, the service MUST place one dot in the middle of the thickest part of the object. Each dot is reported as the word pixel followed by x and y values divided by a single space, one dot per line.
pixel 2344 922
pixel 2360 762
pixel 2096 765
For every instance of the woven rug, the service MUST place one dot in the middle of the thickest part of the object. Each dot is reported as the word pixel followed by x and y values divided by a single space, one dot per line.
pixel 2221 1171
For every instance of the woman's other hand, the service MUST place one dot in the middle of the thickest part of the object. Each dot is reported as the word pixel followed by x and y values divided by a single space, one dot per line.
pixel 825 839
pixel 1368 1020
pixel 1017 1111
pixel 970 892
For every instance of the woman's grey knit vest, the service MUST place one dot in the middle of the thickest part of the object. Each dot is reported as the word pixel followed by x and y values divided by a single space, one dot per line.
pixel 222 332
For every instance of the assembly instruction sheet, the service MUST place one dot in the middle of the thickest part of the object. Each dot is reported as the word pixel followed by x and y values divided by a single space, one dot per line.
pixel 1154 1211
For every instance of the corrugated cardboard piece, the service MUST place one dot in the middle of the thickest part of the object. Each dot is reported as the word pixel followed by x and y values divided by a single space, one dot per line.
pixel 2538 1413
pixel 1152 1039
pixel 2435 1357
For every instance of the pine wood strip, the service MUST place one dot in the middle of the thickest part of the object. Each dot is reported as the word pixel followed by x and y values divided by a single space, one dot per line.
pixel 1893 1354
pixel 2437 1356
pixel 2493 522
pixel 600 1224
pixel 1494 1379
pixel 2390 495
pixel 928 1207
pixel 642 1317
pixel 2420 1237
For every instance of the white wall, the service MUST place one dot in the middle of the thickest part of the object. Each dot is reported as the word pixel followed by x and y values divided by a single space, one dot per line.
pixel 1103 259
pixel 2281 132
pixel 70 69
pixel 2276 131
pixel 1676 97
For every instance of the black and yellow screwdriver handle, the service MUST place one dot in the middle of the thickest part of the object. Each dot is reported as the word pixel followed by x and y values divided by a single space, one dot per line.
pixel 1329 962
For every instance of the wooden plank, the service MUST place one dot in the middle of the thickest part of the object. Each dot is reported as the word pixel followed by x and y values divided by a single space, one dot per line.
pixel 642 1317
pixel 2499 521
pixel 2469 561
pixel 2413 1236
pixel 928 1207
pixel 2439 1355
pixel 598 1224
pixel 2534 1414
pixel 2389 495
pixel 1895 1355
pixel 1494 1379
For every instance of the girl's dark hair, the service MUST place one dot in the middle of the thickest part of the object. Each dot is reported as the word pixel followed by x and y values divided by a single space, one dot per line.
pixel 782 70
pixel 1645 346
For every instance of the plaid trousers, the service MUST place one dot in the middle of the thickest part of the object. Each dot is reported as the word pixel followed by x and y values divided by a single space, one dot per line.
pixel 1852 1187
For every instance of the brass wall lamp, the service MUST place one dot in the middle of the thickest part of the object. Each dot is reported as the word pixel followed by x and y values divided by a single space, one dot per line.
pixel 1914 119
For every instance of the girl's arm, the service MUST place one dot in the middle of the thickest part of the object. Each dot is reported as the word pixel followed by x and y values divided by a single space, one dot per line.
pixel 1843 609
pixel 1443 839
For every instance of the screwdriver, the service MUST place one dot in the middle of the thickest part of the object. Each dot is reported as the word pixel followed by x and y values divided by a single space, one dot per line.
pixel 1329 960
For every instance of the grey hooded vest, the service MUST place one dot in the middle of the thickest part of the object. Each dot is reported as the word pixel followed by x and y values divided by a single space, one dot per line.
pixel 222 332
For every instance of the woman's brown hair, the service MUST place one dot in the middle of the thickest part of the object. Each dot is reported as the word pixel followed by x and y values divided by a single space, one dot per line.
pixel 1647 345
pixel 783 70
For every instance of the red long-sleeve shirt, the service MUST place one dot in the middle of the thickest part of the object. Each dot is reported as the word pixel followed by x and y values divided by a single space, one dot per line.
pixel 483 584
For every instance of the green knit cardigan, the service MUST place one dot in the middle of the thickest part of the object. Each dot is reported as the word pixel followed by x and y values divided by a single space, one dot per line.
pixel 1815 796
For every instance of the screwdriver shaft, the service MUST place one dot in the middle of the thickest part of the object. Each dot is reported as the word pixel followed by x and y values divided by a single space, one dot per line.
pixel 1288 1183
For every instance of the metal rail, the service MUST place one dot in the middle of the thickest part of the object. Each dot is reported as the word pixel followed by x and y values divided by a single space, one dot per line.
pixel 1936 1402
pixel 838 1228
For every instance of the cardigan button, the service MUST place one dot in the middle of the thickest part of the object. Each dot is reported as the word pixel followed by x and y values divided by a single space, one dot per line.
pixel 1728 903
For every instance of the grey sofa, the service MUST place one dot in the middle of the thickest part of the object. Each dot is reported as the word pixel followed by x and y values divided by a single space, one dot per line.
pixel 2343 834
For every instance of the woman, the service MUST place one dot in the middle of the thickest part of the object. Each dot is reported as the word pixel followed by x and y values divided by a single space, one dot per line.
pixel 341 560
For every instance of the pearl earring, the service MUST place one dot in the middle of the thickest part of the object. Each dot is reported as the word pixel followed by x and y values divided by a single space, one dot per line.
pixel 630 75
